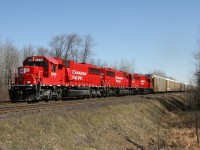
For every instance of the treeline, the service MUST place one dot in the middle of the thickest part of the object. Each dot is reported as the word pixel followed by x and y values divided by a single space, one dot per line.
pixel 9 59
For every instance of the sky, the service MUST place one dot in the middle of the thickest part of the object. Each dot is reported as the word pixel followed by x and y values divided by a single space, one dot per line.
pixel 155 34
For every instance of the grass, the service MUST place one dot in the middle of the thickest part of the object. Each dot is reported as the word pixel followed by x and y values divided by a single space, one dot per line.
pixel 122 126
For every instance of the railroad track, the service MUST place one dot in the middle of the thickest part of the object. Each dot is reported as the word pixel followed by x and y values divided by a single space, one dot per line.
pixel 9 107
pixel 4 102
pixel 24 106
pixel 36 106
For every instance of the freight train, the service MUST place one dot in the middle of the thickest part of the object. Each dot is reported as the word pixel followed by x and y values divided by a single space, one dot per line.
pixel 48 78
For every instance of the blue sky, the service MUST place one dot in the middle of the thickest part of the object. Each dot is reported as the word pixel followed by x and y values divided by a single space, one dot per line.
pixel 156 34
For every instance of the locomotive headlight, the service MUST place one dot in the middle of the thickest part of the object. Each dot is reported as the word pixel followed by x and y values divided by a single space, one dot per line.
pixel 28 82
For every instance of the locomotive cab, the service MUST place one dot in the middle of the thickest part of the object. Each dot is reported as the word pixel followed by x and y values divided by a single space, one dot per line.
pixel 29 80
pixel 38 62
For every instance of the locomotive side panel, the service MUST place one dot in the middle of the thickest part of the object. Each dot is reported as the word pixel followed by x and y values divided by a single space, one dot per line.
pixel 56 75
pixel 94 76
pixel 140 81
pixel 114 82
pixel 84 75
pixel 136 81
pixel 141 84
pixel 121 79
pixel 108 77
pixel 114 78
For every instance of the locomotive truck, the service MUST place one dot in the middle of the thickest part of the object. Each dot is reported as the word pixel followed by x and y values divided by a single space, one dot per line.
pixel 48 78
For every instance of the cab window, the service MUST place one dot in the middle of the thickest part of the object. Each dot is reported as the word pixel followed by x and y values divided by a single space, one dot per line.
pixel 53 67
pixel 39 64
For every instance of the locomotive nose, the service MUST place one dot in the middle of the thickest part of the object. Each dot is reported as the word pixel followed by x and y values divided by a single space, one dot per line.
pixel 29 74
pixel 23 70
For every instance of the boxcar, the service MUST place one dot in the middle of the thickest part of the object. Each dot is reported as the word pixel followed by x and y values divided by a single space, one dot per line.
pixel 182 87
pixel 170 85
pixel 177 86
pixel 159 83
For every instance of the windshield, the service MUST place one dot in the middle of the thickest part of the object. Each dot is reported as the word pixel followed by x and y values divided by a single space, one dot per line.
pixel 39 64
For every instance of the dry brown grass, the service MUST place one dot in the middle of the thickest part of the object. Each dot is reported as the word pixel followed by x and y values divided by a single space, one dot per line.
pixel 147 125
pixel 182 135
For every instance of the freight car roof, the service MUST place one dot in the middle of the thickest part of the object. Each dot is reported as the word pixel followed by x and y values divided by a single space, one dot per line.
pixel 153 75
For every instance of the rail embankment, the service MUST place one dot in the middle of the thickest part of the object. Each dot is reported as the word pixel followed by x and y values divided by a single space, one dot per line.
pixel 155 122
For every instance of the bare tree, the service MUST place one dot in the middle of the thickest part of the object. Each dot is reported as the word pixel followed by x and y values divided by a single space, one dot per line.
pixel 42 51
pixel 193 101
pixel 1 64
pixel 65 46
pixel 126 66
pixel 197 68
pixel 58 45
pixel 103 64
pixel 87 45
pixel 11 59
pixel 52 53
pixel 159 73
pixel 73 43
pixel 114 65
pixel 196 100
pixel 99 63
pixel 28 51
pixel 162 74
pixel 193 95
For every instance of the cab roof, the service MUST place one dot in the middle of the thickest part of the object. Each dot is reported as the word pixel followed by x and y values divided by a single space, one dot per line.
pixel 34 58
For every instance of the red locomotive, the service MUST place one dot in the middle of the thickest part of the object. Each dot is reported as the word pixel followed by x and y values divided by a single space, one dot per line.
pixel 142 84
pixel 53 78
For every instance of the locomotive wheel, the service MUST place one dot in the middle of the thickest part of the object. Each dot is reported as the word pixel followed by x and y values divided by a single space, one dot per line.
pixel 58 97
pixel 31 98
pixel 94 96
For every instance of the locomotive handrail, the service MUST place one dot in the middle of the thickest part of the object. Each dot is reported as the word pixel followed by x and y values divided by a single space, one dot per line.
pixel 12 78
pixel 39 77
